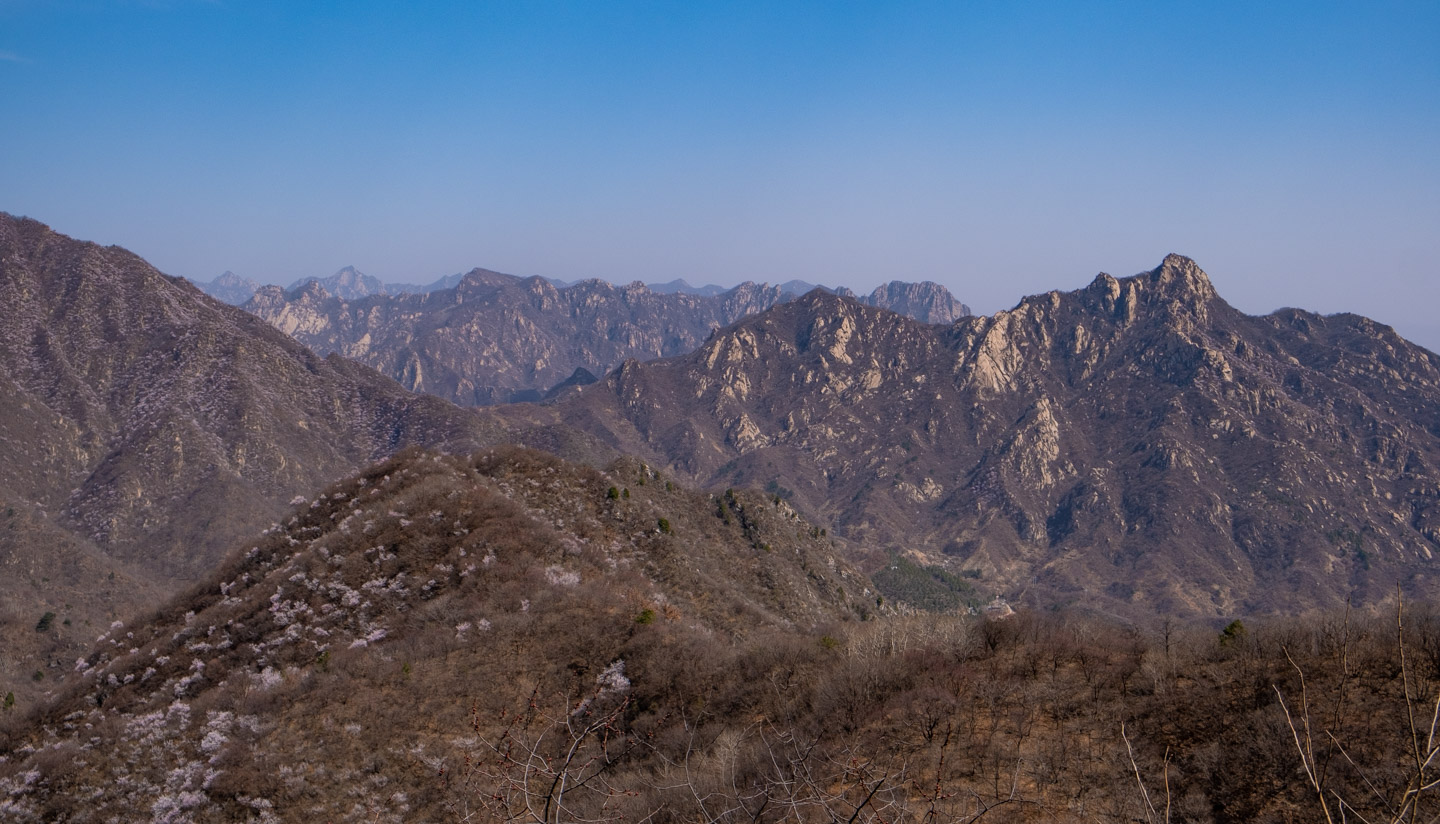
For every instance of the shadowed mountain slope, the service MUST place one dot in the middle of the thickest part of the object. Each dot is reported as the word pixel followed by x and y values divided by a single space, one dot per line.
pixel 162 425
pixel 1137 446
pixel 57 592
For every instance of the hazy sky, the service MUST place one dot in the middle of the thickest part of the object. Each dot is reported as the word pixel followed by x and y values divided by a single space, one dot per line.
pixel 1000 148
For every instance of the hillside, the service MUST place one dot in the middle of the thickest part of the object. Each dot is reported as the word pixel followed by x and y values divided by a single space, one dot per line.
pixel 160 425
pixel 57 592
pixel 1137 446
pixel 506 638
pixel 496 338
pixel 332 667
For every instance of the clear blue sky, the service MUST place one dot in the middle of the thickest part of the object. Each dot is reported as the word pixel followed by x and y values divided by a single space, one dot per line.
pixel 1293 149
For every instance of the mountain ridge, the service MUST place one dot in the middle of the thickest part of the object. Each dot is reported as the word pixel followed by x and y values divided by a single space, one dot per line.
pixel 1138 437
pixel 132 398
pixel 496 338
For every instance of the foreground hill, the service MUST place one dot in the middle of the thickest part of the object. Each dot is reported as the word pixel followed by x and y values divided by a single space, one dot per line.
pixel 343 664
pixel 160 425
pixel 506 638
pixel 495 338
pixel 1138 446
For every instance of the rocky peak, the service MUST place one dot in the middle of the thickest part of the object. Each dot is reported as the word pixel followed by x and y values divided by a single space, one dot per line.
pixel 543 294
pixel 479 284
pixel 927 302
pixel 266 297
pixel 312 292
pixel 822 304
pixel 1177 291
pixel 801 287
pixel 1182 278
pixel 1139 441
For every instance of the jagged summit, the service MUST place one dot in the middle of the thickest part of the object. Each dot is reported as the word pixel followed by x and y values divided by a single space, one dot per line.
pixel 1138 443
pixel 1177 278
pixel 229 287
pixel 1180 276
pixel 313 290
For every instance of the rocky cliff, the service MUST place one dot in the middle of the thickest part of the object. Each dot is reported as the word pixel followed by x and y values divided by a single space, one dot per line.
pixel 1138 446
pixel 926 302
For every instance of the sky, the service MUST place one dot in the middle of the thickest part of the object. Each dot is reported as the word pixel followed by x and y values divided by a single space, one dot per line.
pixel 999 148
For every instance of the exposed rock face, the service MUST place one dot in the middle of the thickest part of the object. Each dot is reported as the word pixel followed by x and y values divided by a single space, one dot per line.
pixel 1137 445
pixel 160 425
pixel 495 338
pixel 926 302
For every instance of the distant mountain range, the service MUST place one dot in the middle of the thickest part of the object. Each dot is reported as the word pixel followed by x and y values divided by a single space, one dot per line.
pixel 349 283
pixel 496 338
pixel 352 284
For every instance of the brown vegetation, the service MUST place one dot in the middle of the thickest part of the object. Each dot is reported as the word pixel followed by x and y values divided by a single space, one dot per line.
pixel 504 638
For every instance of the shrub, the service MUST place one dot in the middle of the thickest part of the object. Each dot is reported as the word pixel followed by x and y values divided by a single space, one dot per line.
pixel 45 621
pixel 929 588
pixel 1233 631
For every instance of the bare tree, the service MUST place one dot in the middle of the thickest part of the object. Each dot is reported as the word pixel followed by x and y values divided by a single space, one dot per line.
pixel 1421 745
pixel 547 767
